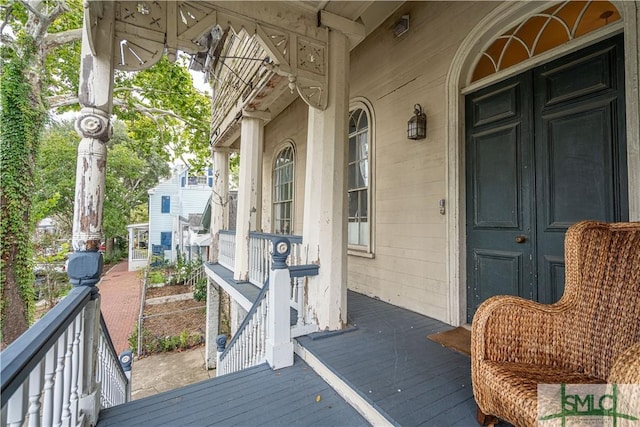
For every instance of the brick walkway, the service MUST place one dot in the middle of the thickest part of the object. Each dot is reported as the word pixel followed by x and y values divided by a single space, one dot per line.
pixel 120 303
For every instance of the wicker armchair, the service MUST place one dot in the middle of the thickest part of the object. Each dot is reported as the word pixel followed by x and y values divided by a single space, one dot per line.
pixel 592 335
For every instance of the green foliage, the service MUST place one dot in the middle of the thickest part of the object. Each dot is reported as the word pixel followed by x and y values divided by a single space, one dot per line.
pixel 200 289
pixel 152 344
pixel 155 277
pixel 21 120
pixel 129 176
pixel 114 255
pixel 164 111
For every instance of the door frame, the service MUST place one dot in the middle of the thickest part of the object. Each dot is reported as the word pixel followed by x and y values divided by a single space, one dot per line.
pixel 502 18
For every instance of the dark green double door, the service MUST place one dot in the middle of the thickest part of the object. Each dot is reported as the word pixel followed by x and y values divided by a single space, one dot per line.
pixel 544 150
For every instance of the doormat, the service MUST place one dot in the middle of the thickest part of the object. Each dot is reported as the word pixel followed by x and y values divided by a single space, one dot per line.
pixel 458 339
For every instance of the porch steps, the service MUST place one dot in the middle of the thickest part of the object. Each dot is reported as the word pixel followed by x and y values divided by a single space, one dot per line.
pixel 369 410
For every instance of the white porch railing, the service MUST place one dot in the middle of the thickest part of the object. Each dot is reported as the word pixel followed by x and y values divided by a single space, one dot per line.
pixel 247 348
pixel 227 248
pixel 266 332
pixel 114 384
pixel 139 254
pixel 56 371
pixel 260 248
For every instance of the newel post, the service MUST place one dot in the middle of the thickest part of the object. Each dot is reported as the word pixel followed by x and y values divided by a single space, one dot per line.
pixel 279 352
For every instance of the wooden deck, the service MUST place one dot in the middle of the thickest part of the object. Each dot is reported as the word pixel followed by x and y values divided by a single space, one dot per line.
pixel 387 358
pixel 254 397
pixel 384 356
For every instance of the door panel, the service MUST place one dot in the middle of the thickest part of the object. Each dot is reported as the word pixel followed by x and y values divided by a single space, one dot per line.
pixel 545 149
pixel 496 201
pixel 498 272
pixel 580 151
pixel 498 183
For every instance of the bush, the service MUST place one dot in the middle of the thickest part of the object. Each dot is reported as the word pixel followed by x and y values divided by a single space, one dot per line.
pixel 200 290
pixel 151 344
pixel 114 256
pixel 156 276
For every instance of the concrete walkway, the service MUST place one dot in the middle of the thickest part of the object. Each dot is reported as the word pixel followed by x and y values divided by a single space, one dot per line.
pixel 166 371
pixel 120 303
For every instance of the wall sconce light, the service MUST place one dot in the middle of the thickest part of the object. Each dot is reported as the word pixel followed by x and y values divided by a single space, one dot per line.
pixel 417 125
pixel 401 26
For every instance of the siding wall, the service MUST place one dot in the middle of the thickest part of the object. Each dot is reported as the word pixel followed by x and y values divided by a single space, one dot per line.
pixel 184 201
pixel 290 125
pixel 409 268
pixel 158 221
pixel 393 74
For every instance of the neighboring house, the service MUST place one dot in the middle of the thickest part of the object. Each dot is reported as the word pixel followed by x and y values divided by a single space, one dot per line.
pixel 171 204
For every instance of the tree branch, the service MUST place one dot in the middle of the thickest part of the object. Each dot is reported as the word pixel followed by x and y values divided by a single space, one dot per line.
pixel 5 22
pixel 58 101
pixel 53 40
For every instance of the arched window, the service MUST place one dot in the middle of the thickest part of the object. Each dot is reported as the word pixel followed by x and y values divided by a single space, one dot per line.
pixel 359 231
pixel 283 190
pixel 560 23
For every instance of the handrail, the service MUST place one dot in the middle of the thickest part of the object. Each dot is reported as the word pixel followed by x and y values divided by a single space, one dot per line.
pixel 24 354
pixel 111 347
pixel 292 238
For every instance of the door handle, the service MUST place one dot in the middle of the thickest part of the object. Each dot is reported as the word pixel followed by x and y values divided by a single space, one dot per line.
pixel 521 239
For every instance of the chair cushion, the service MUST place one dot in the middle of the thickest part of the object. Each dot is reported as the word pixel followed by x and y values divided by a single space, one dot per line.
pixel 511 389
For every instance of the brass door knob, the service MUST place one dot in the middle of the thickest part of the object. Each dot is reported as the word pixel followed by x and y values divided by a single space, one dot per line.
pixel 521 239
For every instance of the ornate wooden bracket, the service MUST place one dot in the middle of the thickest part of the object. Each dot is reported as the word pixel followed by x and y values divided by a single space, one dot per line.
pixel 145 30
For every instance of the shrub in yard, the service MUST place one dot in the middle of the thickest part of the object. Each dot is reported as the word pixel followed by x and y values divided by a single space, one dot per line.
pixel 156 276
pixel 200 290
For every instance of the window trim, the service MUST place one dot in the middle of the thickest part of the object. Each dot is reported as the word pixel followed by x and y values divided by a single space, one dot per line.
pixel 365 251
pixel 162 204
pixel 288 143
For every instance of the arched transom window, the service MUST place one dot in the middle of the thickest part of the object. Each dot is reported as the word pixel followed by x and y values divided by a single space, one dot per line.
pixel 283 189
pixel 543 31
pixel 359 227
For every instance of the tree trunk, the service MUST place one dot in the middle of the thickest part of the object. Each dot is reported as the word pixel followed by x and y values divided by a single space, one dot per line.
pixel 15 317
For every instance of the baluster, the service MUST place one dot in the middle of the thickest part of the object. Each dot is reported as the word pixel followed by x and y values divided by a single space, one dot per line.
pixel 17 407
pixel 49 372
pixel 66 396
pixel 58 390
pixel 75 364
pixel 35 392
pixel 301 300
pixel 245 350
pixel 252 342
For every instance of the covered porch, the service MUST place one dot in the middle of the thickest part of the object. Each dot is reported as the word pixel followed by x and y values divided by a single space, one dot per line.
pixel 383 364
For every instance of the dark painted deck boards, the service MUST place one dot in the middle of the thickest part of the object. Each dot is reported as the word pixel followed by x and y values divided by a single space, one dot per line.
pixel 254 397
pixel 385 356
pixel 389 361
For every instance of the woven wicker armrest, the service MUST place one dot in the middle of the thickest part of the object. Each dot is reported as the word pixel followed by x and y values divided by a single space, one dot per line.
pixel 512 329
pixel 626 369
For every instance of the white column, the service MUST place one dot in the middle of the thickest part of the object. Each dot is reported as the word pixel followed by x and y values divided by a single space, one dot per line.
pixel 93 124
pixel 325 227
pixel 250 187
pixel 219 200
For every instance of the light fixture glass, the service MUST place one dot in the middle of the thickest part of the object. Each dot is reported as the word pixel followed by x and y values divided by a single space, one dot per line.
pixel 417 125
